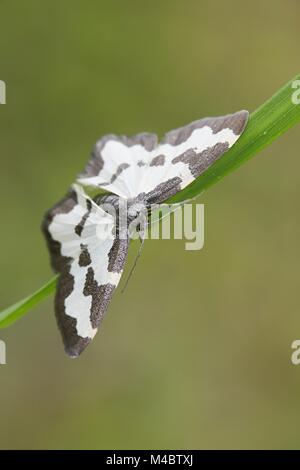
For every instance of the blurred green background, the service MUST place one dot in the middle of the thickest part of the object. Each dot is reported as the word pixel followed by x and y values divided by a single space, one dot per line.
pixel 196 352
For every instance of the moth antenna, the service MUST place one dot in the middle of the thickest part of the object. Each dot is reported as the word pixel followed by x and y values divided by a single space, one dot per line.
pixel 142 240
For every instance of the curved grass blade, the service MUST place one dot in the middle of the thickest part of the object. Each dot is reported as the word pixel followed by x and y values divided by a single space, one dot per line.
pixel 18 310
pixel 268 122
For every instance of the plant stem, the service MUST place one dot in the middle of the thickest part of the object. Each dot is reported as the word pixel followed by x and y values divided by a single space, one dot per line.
pixel 268 122
pixel 14 312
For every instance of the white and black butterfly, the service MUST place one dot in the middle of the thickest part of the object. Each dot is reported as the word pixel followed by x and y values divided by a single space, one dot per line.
pixel 85 246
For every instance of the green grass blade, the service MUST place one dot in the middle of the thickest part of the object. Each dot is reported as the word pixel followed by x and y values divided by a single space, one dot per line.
pixel 267 123
pixel 16 311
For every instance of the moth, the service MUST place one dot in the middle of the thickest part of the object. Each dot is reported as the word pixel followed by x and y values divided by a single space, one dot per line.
pixel 87 247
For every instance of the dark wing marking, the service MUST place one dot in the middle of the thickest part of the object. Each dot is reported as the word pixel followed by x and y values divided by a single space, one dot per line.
pixel 116 161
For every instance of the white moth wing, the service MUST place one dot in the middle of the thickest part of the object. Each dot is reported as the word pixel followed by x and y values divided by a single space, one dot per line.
pixel 89 256
pixel 132 166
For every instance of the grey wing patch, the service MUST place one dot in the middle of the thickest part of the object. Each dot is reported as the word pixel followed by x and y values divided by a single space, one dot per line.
pixel 158 161
pixel 89 262
pixel 199 162
pixel 65 205
pixel 163 191
pixel 84 257
pixel 65 284
pixel 74 344
pixel 101 294
pixel 235 122
pixel 130 166
pixel 84 250
pixel 119 170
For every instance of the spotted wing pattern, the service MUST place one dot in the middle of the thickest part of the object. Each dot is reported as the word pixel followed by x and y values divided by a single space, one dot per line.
pixel 89 256
pixel 129 167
